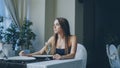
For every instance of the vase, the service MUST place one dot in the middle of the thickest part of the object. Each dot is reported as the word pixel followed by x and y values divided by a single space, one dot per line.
pixel 8 50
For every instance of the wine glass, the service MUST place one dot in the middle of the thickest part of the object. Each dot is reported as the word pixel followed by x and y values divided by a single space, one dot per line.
pixel 48 52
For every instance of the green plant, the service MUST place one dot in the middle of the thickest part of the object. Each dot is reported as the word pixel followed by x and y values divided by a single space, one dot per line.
pixel 1 33
pixel 11 35
pixel 1 18
pixel 21 37
pixel 1 28
pixel 26 35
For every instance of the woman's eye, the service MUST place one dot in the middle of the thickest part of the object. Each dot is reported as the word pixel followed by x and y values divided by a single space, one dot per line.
pixel 57 24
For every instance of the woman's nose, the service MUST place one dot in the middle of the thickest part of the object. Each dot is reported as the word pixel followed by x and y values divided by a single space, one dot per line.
pixel 54 27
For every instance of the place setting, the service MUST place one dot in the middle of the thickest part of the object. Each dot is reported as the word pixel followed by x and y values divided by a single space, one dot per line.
pixel 45 57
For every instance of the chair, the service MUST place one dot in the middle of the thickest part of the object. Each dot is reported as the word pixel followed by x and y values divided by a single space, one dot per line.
pixel 78 62
pixel 118 48
pixel 81 53
pixel 113 57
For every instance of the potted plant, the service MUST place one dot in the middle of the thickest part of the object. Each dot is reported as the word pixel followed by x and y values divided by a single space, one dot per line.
pixel 1 18
pixel 26 35
pixel 1 33
pixel 20 37
pixel 1 29
pixel 11 35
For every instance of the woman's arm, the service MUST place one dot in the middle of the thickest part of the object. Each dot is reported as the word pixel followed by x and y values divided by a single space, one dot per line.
pixel 73 43
pixel 40 52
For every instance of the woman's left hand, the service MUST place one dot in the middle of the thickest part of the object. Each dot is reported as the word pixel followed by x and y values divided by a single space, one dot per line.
pixel 57 57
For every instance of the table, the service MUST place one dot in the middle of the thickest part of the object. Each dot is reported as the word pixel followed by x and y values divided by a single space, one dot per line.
pixel 69 63
pixel 4 64
pixel 19 61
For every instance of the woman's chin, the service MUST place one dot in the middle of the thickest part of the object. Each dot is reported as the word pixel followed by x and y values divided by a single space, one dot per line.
pixel 55 32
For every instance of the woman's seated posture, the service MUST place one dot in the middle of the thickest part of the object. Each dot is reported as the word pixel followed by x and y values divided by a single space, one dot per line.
pixel 63 45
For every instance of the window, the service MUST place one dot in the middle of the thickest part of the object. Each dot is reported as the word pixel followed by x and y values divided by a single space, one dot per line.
pixel 5 14
pixel 2 8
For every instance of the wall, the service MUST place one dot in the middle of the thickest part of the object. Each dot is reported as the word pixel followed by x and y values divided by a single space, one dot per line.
pixel 37 16
pixel 79 21
pixel 66 8
pixel 49 18
pixel 107 20
pixel 89 28
pixel 101 18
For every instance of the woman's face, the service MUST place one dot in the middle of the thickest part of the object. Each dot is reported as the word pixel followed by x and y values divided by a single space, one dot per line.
pixel 57 28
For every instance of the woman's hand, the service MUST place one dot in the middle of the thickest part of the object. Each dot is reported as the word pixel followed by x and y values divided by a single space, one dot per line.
pixel 57 57
pixel 22 53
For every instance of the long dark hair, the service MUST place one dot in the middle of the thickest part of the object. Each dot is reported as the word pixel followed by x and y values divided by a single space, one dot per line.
pixel 66 29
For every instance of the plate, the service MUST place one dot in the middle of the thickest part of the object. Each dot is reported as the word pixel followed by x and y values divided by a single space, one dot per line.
pixel 42 56
pixel 1 58
pixel 20 58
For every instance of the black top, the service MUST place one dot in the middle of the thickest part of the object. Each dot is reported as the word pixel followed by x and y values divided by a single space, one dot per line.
pixel 62 51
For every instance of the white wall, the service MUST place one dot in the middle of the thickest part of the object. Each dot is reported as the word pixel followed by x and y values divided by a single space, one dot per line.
pixel 59 8
pixel 37 16
pixel 49 18
pixel 66 8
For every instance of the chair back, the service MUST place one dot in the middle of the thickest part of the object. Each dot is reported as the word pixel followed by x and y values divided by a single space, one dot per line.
pixel 81 53
pixel 113 57
pixel 118 48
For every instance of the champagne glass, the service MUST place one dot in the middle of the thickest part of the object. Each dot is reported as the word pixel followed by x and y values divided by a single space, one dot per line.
pixel 48 52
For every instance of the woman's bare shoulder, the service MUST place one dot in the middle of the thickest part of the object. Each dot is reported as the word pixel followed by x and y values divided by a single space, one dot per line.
pixel 51 39
pixel 73 37
pixel 73 40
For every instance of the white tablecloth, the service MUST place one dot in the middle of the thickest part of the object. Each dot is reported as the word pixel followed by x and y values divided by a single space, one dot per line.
pixel 70 63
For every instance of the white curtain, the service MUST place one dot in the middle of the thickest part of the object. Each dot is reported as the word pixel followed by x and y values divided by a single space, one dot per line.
pixel 17 10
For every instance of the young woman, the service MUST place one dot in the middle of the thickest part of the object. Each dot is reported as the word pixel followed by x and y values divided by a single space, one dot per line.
pixel 63 45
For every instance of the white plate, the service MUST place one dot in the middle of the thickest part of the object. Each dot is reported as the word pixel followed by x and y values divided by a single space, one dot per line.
pixel 42 55
pixel 1 58
pixel 21 58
